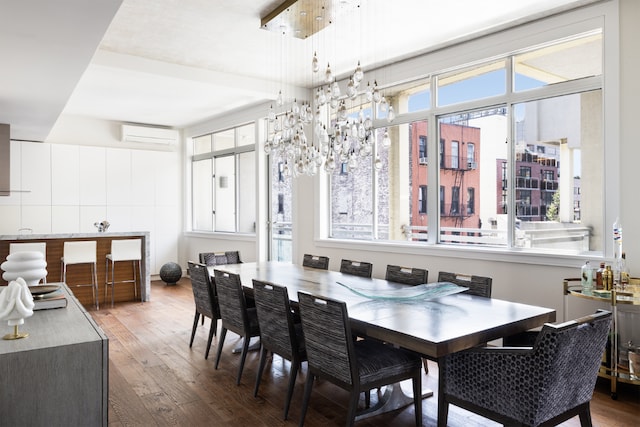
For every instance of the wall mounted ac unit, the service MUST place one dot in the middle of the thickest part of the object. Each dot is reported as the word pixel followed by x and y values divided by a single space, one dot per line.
pixel 423 160
pixel 150 135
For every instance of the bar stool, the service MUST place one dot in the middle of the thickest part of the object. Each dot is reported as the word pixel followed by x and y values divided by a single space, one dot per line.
pixel 81 253
pixel 30 247
pixel 123 250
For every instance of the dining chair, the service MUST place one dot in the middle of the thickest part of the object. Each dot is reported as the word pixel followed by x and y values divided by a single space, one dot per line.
pixel 219 258
pixel 478 285
pixel 205 299
pixel 356 268
pixel 353 365
pixel 123 250
pixel 30 247
pixel 279 333
pixel 235 315
pixel 531 386
pixel 406 275
pixel 315 261
pixel 78 253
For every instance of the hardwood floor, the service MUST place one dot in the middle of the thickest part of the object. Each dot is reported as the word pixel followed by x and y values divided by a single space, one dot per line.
pixel 156 379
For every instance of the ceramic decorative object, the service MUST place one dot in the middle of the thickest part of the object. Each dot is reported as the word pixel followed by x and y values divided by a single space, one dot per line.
pixel 16 303
pixel 102 226
pixel 29 265
pixel 170 273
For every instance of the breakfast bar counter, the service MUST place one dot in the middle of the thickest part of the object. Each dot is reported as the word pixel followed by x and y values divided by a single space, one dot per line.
pixel 79 274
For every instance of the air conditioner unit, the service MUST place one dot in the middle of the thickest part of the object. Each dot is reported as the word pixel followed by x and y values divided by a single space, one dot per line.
pixel 150 135
pixel 472 165
pixel 422 160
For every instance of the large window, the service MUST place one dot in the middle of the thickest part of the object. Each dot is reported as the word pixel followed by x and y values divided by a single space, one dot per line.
pixel 520 156
pixel 223 181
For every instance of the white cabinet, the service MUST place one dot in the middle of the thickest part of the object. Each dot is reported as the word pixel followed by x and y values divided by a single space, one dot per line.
pixel 92 176
pixel 65 175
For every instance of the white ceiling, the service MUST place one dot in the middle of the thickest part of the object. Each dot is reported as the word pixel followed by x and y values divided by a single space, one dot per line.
pixel 179 62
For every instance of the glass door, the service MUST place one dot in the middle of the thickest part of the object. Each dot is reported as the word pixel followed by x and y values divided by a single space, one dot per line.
pixel 280 206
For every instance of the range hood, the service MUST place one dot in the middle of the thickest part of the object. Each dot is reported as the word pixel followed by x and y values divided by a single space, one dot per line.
pixel 5 160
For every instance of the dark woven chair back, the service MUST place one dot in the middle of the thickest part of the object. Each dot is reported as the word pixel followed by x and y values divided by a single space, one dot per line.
pixel 315 261
pixel 277 331
pixel 356 268
pixel 236 317
pixel 546 384
pixel 478 285
pixel 220 258
pixel 204 297
pixel 203 291
pixel 327 336
pixel 406 275
pixel 233 307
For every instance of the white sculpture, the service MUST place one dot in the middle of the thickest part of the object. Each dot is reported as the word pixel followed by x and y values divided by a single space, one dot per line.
pixel 16 303
pixel 29 265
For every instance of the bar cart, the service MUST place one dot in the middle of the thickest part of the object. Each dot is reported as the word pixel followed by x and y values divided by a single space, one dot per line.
pixel 621 361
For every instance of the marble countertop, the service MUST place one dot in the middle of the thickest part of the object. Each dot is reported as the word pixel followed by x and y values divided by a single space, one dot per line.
pixel 72 235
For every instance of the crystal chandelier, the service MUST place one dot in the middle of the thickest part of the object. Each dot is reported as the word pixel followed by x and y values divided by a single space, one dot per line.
pixel 342 138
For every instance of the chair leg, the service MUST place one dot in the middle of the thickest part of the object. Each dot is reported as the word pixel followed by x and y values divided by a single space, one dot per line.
pixel 212 332
pixel 243 357
pixel 353 407
pixel 585 417
pixel 223 334
pixel 293 374
pixel 263 360
pixel 195 326
pixel 305 399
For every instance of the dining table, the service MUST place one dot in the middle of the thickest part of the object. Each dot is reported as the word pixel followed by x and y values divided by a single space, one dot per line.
pixel 431 326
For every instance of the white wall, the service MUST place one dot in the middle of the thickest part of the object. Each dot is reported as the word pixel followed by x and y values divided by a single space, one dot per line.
pixel 68 184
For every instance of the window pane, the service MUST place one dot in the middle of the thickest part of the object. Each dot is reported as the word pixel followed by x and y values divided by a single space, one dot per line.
pixel 472 83
pixel 352 201
pixel 406 98
pixel 569 60
pixel 202 185
pixel 245 135
pixel 281 211
pixel 224 140
pixel 559 202
pixel 247 192
pixel 225 194
pixel 202 144
pixel 478 219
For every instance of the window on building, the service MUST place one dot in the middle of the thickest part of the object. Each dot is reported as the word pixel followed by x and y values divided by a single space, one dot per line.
pixel 422 147
pixel 223 181
pixel 455 152
pixel 422 199
pixel 471 201
pixel 471 155
pixel 455 201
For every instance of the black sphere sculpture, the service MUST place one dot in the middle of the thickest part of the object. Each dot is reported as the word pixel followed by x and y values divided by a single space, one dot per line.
pixel 170 273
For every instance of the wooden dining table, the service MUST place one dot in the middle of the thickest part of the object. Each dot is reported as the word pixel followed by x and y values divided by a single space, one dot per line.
pixel 432 327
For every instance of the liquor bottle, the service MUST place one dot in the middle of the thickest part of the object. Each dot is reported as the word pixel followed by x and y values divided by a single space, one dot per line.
pixel 586 277
pixel 599 271
pixel 607 278
pixel 624 272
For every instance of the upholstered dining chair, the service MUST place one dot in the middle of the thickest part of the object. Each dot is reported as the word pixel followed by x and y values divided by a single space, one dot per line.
pixel 406 275
pixel 315 261
pixel 478 285
pixel 235 315
pixel 279 333
pixel 356 366
pixel 356 268
pixel 531 386
pixel 204 296
pixel 219 258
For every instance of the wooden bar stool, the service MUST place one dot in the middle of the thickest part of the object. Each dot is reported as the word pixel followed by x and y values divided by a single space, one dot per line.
pixel 123 250
pixel 81 253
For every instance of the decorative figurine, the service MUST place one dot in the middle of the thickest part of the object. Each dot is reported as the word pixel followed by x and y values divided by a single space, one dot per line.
pixel 16 303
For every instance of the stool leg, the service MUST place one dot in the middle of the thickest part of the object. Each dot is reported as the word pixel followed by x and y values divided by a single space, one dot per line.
pixel 135 288
pixel 106 278
pixel 113 282
pixel 142 284
pixel 94 285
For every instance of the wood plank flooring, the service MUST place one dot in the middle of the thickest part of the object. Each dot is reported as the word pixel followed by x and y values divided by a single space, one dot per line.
pixel 155 379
